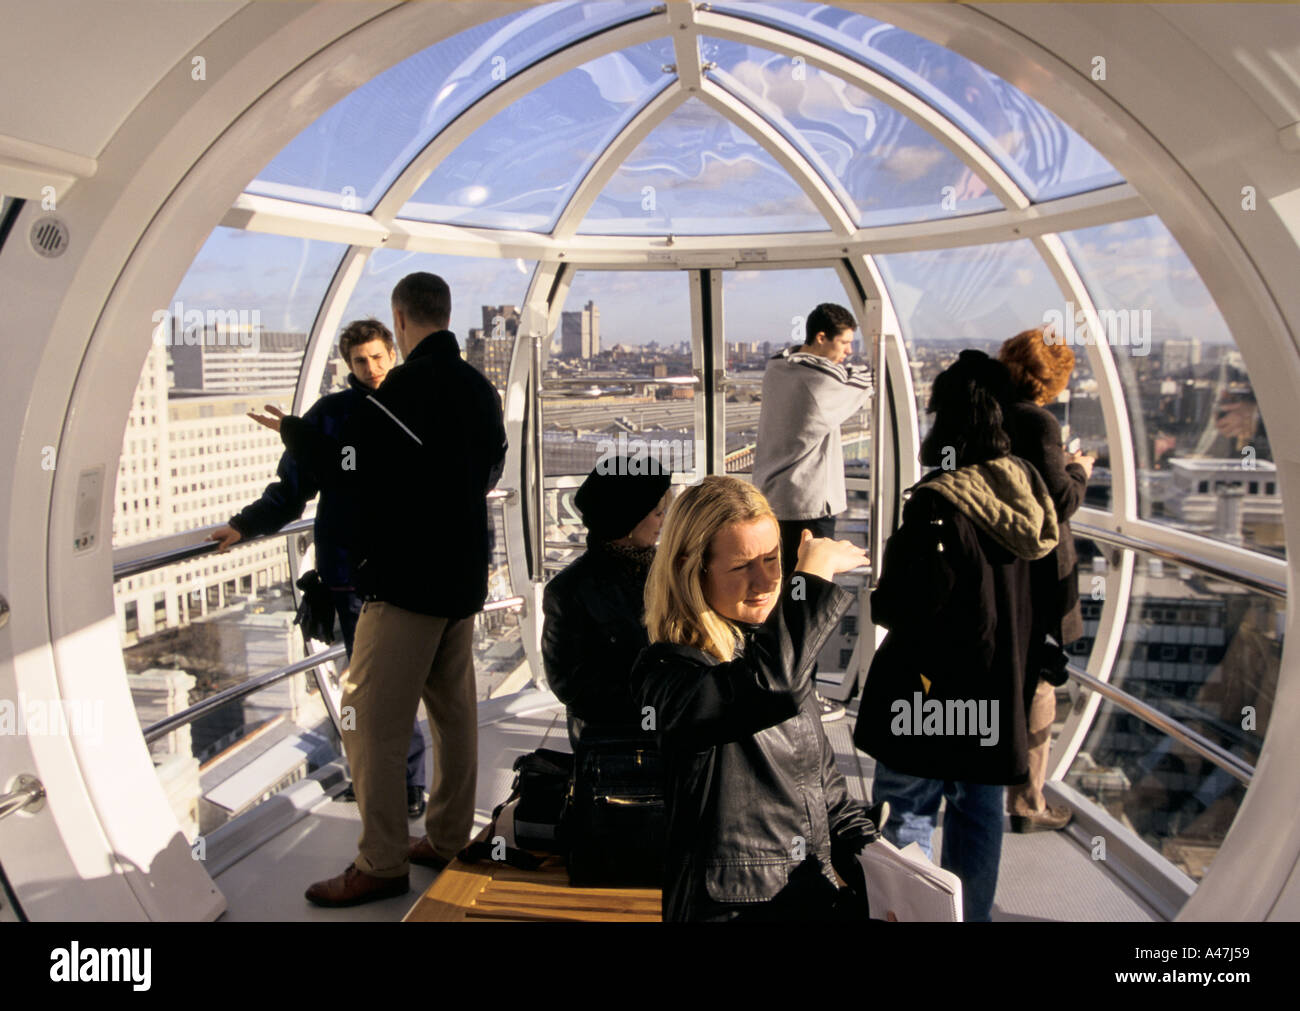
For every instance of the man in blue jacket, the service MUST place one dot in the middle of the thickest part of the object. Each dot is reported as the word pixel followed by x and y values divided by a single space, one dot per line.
pixel 425 449
pixel 367 346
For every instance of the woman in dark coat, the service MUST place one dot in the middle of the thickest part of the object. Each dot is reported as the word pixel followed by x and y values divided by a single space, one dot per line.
pixel 593 626
pixel 942 710
pixel 592 633
pixel 759 818
pixel 1040 367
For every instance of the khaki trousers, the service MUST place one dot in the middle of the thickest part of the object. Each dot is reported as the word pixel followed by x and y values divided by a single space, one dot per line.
pixel 1027 798
pixel 399 658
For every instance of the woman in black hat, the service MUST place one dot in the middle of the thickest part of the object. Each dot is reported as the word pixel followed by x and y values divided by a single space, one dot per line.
pixel 593 610
pixel 593 631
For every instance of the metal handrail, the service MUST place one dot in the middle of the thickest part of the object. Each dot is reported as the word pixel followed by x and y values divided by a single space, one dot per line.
pixel 1261 584
pixel 28 793
pixel 1224 759
pixel 147 563
pixel 551 381
pixel 213 702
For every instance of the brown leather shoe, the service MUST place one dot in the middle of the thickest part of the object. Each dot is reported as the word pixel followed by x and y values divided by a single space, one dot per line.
pixel 1051 820
pixel 354 887
pixel 421 852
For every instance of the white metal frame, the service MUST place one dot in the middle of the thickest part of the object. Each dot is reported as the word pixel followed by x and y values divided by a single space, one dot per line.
pixel 142 218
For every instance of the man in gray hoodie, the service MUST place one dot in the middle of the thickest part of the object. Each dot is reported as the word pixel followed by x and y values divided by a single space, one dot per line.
pixel 808 393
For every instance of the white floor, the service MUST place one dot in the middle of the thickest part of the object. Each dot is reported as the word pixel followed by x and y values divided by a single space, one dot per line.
pixel 1044 876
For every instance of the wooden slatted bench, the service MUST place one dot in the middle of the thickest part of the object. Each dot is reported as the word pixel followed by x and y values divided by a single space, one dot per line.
pixel 495 891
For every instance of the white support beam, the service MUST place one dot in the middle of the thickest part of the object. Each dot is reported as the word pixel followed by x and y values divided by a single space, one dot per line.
pixel 526 507
pixel 686 48
pixel 275 216
pixel 37 171
pixel 1119 437
pixel 320 342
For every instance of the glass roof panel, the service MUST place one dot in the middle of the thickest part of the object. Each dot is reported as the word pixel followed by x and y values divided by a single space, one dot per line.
pixel 521 167
pixel 350 155
pixel 1197 429
pixel 886 169
pixel 699 174
pixel 1045 157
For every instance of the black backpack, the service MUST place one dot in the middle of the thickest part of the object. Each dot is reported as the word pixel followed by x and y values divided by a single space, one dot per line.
pixel 526 825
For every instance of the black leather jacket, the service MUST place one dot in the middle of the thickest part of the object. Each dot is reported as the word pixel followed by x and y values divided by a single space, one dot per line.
pixel 751 787
pixel 591 636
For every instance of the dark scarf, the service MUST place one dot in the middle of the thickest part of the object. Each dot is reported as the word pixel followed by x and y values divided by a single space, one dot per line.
pixel 633 561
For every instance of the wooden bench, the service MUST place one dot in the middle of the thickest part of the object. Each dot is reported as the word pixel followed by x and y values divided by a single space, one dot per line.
pixel 495 891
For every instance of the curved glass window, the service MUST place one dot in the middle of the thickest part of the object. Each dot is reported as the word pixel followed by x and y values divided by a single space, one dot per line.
pixel 883 166
pixel 1205 652
pixel 231 339
pixel 487 297
pixel 348 157
pixel 521 167
pixel 697 173
pixel 598 394
pixel 1203 454
pixel 972 297
pixel 1045 157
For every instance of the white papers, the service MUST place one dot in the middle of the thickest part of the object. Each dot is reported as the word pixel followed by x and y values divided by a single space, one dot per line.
pixel 905 886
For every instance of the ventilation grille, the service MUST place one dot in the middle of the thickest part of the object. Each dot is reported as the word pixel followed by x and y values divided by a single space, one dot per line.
pixel 50 237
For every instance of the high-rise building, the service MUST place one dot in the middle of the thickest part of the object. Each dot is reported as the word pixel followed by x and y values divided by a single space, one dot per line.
pixel 580 332
pixel 190 462
pixel 228 361
pixel 489 349
pixel 1180 354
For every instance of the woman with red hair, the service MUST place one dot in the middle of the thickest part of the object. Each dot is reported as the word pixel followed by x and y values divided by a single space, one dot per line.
pixel 1040 364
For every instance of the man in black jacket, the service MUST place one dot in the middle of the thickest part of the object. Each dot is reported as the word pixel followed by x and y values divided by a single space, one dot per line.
pixel 430 445
pixel 367 346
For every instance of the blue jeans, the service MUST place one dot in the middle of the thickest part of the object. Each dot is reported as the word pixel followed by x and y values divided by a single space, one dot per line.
pixel 972 830
pixel 347 605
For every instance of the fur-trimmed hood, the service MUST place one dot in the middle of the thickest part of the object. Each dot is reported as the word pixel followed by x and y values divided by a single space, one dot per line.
pixel 1007 499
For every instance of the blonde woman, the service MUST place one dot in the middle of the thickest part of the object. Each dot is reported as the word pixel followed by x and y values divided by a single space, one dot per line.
pixel 759 819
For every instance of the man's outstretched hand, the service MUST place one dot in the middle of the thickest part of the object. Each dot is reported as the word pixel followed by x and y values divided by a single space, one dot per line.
pixel 271 419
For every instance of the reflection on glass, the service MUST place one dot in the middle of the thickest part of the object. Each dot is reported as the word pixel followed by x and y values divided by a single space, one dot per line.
pixel 1205 652
pixel 1045 157
pixel 231 340
pixel 487 296
pixel 522 167
pixel 272 738
pixel 698 173
pixel 600 397
pixel 973 297
pixel 1203 454
pixel 883 166
pixel 350 155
